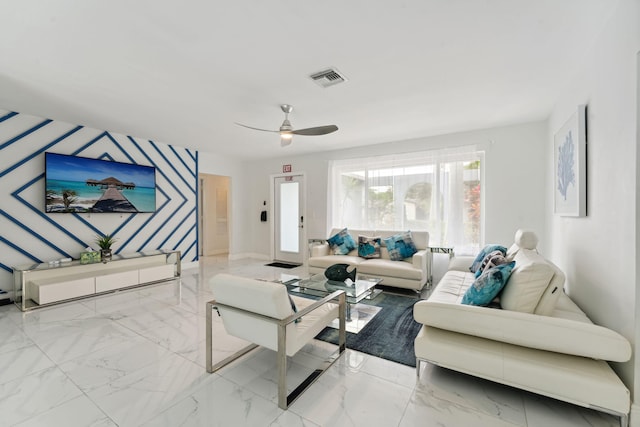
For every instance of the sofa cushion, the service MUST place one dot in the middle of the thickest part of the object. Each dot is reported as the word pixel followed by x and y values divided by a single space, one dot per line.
pixel 369 247
pixel 547 304
pixel 527 283
pixel 387 268
pixel 452 287
pixel 329 260
pixel 486 287
pixel 341 243
pixel 483 253
pixel 400 246
pixel 528 330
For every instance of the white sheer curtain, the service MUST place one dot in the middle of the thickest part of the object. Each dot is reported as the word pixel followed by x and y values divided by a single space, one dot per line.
pixel 437 191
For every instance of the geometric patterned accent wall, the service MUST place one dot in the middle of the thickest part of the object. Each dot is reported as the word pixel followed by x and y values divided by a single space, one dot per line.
pixel 29 235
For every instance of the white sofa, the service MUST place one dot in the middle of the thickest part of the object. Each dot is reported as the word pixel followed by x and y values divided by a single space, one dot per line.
pixel 539 341
pixel 411 273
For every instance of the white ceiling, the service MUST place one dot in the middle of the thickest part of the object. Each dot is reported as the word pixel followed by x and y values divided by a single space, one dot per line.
pixel 182 72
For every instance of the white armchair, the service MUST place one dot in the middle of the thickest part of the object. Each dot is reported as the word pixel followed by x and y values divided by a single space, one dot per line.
pixel 263 314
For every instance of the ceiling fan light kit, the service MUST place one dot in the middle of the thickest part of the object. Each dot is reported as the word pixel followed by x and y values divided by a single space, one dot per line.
pixel 286 131
pixel 285 140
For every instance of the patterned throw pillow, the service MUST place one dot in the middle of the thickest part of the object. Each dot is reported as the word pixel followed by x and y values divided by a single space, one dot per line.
pixel 483 253
pixel 488 285
pixel 341 243
pixel 369 247
pixel 400 246
pixel 494 259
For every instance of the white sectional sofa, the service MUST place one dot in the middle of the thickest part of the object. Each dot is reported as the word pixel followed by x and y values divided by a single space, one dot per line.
pixel 539 341
pixel 410 273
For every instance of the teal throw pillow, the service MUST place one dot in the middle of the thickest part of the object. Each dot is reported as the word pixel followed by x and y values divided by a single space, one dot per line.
pixel 341 243
pixel 400 246
pixel 483 253
pixel 369 247
pixel 488 285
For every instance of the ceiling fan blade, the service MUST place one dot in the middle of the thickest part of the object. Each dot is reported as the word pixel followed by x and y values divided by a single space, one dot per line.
pixel 251 127
pixel 319 130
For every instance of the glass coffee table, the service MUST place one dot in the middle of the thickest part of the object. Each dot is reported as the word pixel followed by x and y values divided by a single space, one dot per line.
pixel 318 285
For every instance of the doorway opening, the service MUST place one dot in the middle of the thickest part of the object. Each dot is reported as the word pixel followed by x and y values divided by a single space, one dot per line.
pixel 214 214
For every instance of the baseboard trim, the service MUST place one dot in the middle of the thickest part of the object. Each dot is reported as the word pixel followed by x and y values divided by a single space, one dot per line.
pixel 238 256
pixel 188 265
pixel 634 415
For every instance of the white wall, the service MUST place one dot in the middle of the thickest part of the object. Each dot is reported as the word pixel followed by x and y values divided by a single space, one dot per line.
pixel 514 181
pixel 598 252
pixel 219 165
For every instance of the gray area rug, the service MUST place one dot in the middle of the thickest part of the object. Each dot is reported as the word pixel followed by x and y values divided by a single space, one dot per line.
pixel 282 265
pixel 389 334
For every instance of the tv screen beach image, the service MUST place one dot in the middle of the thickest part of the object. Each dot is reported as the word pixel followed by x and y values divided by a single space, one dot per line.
pixel 80 184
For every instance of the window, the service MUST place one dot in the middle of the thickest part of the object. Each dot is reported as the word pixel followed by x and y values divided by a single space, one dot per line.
pixel 437 191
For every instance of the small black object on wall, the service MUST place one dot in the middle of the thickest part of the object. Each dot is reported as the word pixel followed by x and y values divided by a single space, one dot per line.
pixel 263 214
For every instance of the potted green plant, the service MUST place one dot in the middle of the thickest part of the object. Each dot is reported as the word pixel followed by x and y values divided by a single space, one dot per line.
pixel 105 241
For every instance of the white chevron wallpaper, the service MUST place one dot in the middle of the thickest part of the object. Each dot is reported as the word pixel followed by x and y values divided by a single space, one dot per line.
pixel 29 235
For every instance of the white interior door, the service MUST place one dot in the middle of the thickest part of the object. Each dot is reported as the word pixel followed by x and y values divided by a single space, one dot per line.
pixel 289 218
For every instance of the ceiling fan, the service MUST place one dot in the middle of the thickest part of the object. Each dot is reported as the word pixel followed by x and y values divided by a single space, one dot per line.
pixel 286 131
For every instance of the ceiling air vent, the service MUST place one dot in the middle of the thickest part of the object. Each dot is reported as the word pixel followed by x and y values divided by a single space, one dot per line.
pixel 328 77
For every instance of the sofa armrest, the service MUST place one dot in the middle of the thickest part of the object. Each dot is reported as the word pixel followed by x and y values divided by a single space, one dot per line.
pixel 420 260
pixel 320 249
pixel 461 263
pixel 525 329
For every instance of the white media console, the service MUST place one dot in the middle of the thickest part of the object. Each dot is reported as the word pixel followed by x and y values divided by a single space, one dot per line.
pixel 40 285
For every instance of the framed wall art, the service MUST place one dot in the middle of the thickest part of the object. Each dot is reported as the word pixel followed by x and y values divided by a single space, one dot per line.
pixel 570 166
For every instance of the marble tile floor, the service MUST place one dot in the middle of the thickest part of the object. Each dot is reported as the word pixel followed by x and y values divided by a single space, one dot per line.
pixel 136 358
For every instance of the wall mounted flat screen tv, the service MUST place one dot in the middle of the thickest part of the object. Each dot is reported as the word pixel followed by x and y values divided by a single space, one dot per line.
pixel 81 184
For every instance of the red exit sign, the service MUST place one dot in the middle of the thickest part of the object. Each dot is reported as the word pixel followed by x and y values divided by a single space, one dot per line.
pixel 286 168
